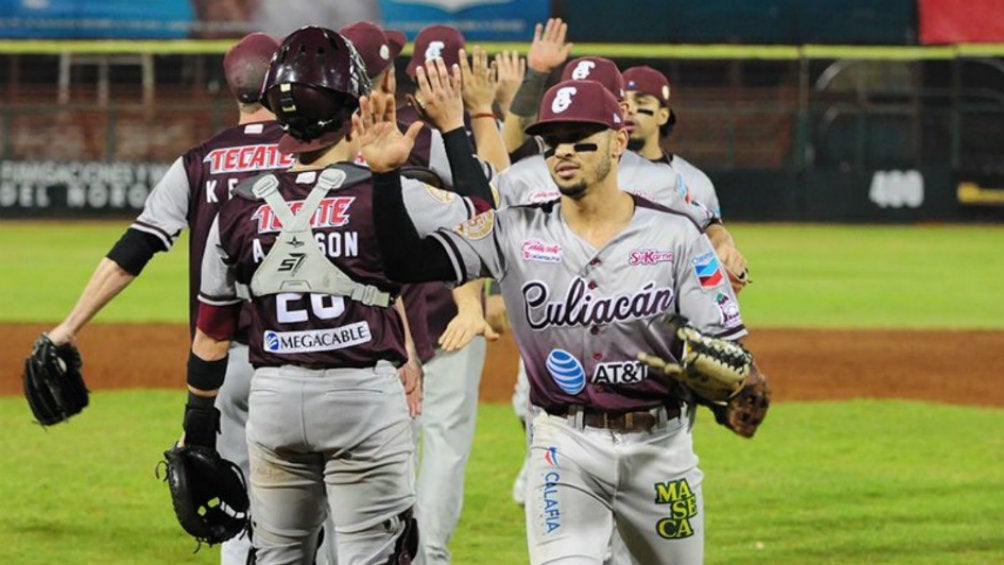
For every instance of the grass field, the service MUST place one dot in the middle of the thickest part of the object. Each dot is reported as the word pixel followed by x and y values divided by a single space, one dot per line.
pixel 804 276
pixel 848 483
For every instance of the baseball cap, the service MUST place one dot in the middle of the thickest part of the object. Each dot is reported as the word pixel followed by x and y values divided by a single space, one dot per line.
pixel 646 80
pixel 246 64
pixel 376 46
pixel 600 69
pixel 577 101
pixel 436 42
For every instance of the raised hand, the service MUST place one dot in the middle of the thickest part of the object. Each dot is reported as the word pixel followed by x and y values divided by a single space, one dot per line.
pixel 509 68
pixel 548 50
pixel 478 81
pixel 439 94
pixel 381 143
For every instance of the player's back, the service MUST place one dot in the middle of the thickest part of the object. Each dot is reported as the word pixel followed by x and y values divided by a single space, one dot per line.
pixel 190 193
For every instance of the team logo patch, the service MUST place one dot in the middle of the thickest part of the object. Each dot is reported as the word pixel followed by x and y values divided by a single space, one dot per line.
pixel 438 195
pixel 479 226
pixel 728 310
pixel 551 456
pixel 563 99
pixel 706 268
pixel 620 372
pixel 538 196
pixel 649 256
pixel 434 50
pixel 566 371
pixel 682 504
pixel 537 250
pixel 328 339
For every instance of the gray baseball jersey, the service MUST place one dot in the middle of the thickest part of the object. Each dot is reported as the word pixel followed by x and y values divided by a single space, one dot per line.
pixel 528 181
pixel 580 315
pixel 699 186
pixel 319 331
pixel 190 193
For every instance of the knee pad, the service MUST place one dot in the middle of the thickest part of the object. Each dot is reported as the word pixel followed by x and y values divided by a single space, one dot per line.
pixel 406 546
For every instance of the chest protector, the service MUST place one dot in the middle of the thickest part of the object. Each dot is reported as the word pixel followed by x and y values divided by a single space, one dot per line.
pixel 295 263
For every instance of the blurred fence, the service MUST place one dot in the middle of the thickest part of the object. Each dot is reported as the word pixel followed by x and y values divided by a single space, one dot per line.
pixel 786 133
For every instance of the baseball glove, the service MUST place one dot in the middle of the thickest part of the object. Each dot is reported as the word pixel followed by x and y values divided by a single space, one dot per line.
pixel 208 492
pixel 721 374
pixel 53 384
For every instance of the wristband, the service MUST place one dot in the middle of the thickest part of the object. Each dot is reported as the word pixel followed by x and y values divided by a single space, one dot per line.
pixel 201 422
pixel 483 115
pixel 206 375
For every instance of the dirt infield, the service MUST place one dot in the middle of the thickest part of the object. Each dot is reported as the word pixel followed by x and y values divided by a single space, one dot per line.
pixel 956 367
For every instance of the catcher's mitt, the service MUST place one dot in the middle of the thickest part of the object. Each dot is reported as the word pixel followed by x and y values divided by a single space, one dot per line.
pixel 209 493
pixel 53 384
pixel 720 373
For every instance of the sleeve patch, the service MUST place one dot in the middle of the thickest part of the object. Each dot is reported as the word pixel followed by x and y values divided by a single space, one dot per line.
pixel 707 270
pixel 478 227
pixel 439 195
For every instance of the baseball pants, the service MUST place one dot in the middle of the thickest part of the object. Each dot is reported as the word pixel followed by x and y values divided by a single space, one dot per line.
pixel 521 405
pixel 232 402
pixel 584 481
pixel 332 442
pixel 449 413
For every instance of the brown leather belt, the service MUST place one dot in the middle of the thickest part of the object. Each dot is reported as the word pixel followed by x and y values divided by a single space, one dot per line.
pixel 631 421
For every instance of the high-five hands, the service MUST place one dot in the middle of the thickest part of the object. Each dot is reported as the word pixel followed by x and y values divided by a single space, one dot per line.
pixel 381 143
pixel 439 94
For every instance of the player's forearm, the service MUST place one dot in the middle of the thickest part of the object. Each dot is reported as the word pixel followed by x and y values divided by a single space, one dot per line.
pixel 207 364
pixel 105 284
pixel 468 174
pixel 407 257
pixel 488 139
pixel 409 340
pixel 512 132
pixel 468 297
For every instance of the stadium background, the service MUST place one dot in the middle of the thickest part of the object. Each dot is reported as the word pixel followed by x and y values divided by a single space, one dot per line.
pixel 889 114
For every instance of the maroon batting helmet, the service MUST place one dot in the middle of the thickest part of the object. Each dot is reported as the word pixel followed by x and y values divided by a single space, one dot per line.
pixel 313 85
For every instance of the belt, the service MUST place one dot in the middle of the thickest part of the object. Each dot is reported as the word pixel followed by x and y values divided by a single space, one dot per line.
pixel 620 421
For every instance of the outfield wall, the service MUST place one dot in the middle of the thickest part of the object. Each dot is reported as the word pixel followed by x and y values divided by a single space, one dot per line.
pixel 786 132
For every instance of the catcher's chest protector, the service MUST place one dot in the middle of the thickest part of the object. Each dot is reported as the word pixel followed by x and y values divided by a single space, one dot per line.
pixel 295 263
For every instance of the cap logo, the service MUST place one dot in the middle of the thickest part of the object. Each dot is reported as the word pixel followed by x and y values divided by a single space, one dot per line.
pixel 384 52
pixel 582 70
pixel 434 50
pixel 665 92
pixel 563 99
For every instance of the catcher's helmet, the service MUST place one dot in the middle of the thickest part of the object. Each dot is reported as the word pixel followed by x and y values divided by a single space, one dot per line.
pixel 314 83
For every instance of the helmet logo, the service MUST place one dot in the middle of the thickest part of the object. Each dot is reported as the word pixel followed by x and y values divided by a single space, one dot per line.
pixel 563 99
pixel 582 70
pixel 434 50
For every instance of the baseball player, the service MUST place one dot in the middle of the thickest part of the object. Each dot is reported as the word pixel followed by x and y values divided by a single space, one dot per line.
pixel 528 181
pixel 650 120
pixel 189 196
pixel 328 430
pixel 584 278
pixel 454 348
